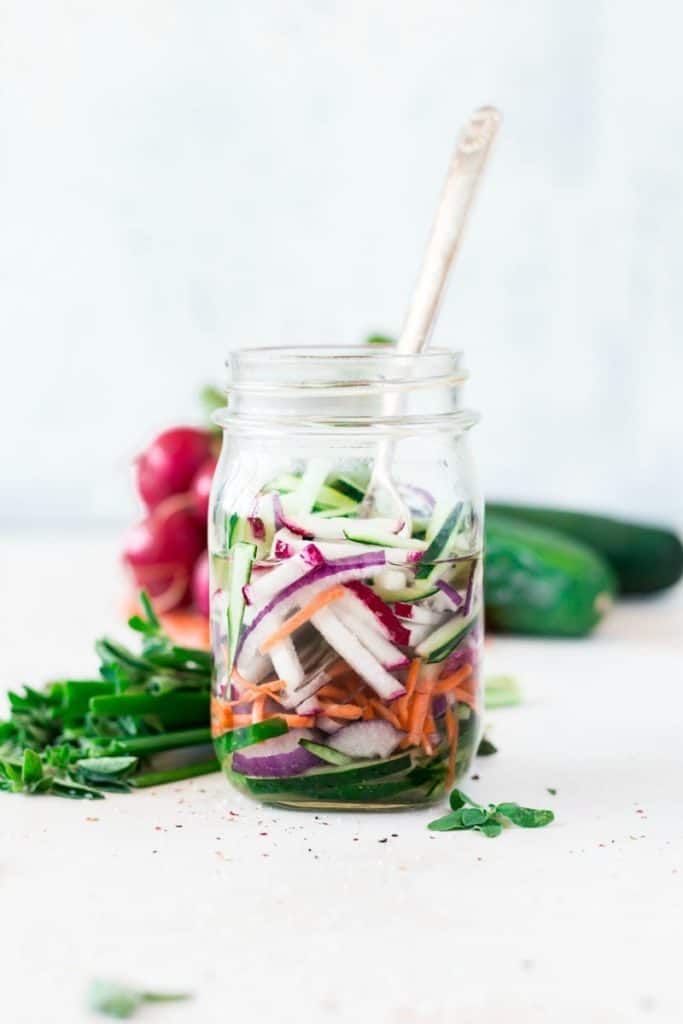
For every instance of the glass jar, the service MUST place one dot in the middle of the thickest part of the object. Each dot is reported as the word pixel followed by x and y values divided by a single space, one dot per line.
pixel 346 578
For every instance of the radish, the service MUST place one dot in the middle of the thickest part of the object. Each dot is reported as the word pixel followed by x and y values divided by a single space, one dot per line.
pixel 201 488
pixel 200 584
pixel 171 462
pixel 278 757
pixel 367 739
pixel 161 552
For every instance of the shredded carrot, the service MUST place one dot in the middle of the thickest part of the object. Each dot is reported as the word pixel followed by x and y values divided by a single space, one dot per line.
pixel 368 713
pixel 430 725
pixel 426 744
pixel 221 716
pixel 412 677
pixel 332 691
pixel 452 731
pixel 302 616
pixel 241 679
pixel 241 719
pixel 466 697
pixel 405 742
pixel 337 668
pixel 450 724
pixel 295 721
pixel 401 706
pixel 258 709
pixel 343 710
pixel 420 704
pixel 386 714
pixel 455 679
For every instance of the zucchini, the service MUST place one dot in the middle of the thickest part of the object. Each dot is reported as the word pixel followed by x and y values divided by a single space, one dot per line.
pixel 541 582
pixel 644 558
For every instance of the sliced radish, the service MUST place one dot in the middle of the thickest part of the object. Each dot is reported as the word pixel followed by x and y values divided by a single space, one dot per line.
pixel 286 544
pixel 387 655
pixel 267 586
pixel 301 590
pixel 310 706
pixel 418 613
pixel 367 603
pixel 356 655
pixel 277 757
pixel 328 725
pixel 367 739
pixel 287 667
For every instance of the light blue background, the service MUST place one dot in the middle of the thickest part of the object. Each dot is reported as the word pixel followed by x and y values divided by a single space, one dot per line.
pixel 178 178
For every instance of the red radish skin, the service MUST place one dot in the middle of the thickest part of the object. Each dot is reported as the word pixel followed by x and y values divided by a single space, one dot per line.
pixel 201 488
pixel 277 757
pixel 171 463
pixel 200 585
pixel 161 552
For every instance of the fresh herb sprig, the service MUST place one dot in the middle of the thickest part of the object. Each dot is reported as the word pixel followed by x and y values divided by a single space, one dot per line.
pixel 112 999
pixel 84 737
pixel 466 814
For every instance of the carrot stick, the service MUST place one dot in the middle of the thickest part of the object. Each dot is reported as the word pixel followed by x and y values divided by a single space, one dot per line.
pixel 386 714
pixel 426 745
pixel 343 710
pixel 337 668
pixel 455 679
pixel 332 691
pixel 240 679
pixel 368 713
pixel 452 731
pixel 420 704
pixel 221 715
pixel 450 724
pixel 466 697
pixel 303 615
pixel 258 709
pixel 412 677
pixel 401 706
pixel 294 721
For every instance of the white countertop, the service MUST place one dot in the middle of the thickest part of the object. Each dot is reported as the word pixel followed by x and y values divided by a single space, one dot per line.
pixel 289 917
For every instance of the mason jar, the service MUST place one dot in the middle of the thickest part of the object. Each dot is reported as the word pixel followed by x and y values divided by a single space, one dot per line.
pixel 346 578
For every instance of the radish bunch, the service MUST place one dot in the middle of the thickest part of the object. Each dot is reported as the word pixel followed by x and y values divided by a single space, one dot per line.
pixel 166 552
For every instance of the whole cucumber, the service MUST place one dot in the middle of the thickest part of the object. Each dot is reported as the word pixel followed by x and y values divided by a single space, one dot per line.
pixel 644 558
pixel 539 581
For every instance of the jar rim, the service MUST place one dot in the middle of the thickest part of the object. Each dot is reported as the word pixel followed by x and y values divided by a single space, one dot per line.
pixel 311 388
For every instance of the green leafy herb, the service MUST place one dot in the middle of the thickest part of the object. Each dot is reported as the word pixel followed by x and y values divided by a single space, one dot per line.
pixel 466 814
pixel 82 737
pixel 525 817
pixel 486 748
pixel 112 999
pixel 379 339
pixel 553 792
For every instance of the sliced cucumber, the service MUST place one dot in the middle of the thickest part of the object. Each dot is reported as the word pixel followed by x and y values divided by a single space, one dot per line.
pixel 439 644
pixel 327 780
pixel 363 531
pixel 242 556
pixel 325 753
pixel 441 545
pixel 405 595
pixel 247 735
